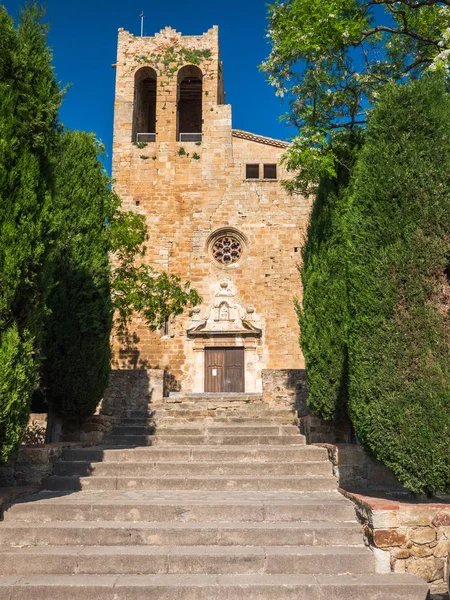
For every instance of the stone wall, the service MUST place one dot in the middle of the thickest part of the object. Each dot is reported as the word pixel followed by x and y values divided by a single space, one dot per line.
pixel 30 466
pixel 358 472
pixel 407 537
pixel 35 461
pixel 89 431
pixel 132 389
pixel 36 429
pixel 286 387
pixel 319 431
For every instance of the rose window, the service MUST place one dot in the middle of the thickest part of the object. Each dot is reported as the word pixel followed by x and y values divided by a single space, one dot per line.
pixel 227 250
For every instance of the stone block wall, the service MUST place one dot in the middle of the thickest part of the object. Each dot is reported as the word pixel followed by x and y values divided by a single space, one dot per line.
pixel 90 431
pixel 30 466
pixel 285 387
pixel 358 472
pixel 36 429
pixel 319 431
pixel 132 389
pixel 407 537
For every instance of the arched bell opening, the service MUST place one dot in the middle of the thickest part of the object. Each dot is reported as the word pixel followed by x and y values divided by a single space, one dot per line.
pixel 190 104
pixel 144 117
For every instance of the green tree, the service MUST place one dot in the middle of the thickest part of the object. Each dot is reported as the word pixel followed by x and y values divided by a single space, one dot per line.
pixel 331 57
pixel 399 286
pixel 77 329
pixel 29 100
pixel 136 287
pixel 323 313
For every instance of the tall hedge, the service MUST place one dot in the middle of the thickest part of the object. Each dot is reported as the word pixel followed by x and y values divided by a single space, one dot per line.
pixel 399 286
pixel 77 331
pixel 323 314
pixel 29 101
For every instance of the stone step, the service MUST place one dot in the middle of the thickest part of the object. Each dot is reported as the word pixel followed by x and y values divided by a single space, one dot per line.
pixel 219 396
pixel 250 410
pixel 181 507
pixel 227 429
pixel 135 441
pixel 311 483
pixel 213 587
pixel 139 469
pixel 147 560
pixel 133 429
pixel 229 440
pixel 147 533
pixel 224 408
pixel 203 454
pixel 186 418
pixel 245 411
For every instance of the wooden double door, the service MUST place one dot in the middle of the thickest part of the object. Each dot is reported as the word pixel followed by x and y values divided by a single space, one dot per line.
pixel 224 370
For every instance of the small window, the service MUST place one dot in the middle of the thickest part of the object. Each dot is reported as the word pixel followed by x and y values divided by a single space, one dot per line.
pixel 270 171
pixel 252 171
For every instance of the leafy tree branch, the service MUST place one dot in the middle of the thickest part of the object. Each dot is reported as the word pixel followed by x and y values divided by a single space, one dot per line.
pixel 330 58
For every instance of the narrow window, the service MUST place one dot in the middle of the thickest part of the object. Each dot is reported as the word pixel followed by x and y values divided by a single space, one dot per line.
pixel 252 171
pixel 144 118
pixel 190 110
pixel 270 171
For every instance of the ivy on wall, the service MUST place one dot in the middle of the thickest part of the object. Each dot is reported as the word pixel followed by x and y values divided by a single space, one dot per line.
pixel 172 59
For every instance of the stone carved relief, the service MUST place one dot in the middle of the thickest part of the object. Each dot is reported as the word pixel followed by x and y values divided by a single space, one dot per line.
pixel 225 314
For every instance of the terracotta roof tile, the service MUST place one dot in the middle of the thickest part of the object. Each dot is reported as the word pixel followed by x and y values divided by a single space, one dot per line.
pixel 246 135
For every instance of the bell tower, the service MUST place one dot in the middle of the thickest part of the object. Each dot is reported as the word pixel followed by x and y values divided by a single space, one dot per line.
pixel 169 89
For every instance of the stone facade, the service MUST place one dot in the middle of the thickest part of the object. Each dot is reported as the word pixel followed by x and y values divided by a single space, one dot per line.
pixel 189 191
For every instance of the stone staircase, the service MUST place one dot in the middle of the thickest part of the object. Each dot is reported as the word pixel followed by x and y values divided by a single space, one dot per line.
pixel 204 498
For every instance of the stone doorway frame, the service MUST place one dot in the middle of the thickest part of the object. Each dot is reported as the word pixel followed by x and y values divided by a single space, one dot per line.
pixel 225 323
pixel 248 341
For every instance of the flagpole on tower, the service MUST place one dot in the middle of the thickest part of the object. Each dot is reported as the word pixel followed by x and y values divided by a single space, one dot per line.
pixel 142 23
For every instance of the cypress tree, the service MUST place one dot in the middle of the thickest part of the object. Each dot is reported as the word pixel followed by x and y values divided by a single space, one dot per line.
pixel 29 100
pixel 77 329
pixel 323 316
pixel 399 286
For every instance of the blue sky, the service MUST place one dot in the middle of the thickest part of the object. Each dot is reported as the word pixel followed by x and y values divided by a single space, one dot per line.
pixel 83 36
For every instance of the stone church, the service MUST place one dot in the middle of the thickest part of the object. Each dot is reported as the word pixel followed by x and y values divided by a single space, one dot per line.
pixel 216 216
